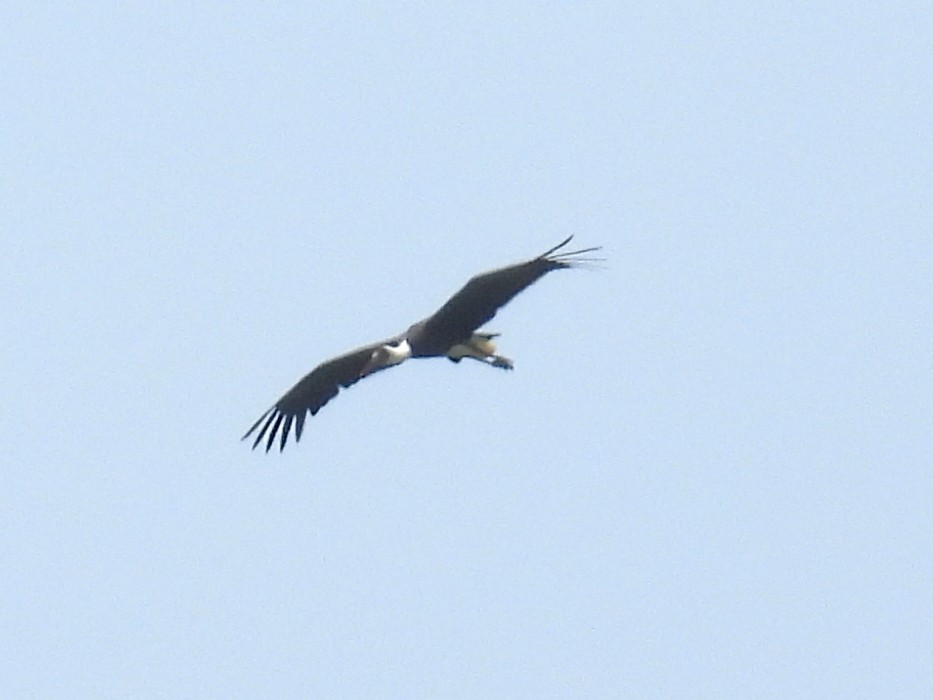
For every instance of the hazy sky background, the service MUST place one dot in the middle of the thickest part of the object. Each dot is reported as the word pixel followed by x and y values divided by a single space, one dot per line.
pixel 709 475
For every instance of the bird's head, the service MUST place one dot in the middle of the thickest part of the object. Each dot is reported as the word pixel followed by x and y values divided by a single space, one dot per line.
pixel 386 355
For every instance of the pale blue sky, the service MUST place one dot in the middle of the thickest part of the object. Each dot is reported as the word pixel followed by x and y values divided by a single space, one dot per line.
pixel 708 477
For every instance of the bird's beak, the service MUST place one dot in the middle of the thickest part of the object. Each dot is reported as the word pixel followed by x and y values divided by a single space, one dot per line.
pixel 367 368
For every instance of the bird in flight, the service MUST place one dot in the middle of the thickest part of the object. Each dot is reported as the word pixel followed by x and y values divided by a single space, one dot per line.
pixel 451 332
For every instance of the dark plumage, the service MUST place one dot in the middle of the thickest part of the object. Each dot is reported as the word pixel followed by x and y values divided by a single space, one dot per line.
pixel 449 332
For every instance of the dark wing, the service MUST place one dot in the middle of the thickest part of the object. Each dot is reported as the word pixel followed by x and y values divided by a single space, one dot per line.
pixel 486 293
pixel 310 394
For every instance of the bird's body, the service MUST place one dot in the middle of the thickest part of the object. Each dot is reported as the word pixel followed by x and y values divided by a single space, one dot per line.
pixel 450 332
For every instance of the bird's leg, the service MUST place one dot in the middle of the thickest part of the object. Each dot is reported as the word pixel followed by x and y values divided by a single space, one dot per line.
pixel 491 360
pixel 494 361
pixel 481 348
pixel 485 350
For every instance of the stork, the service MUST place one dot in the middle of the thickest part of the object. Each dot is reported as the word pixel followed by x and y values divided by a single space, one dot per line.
pixel 451 332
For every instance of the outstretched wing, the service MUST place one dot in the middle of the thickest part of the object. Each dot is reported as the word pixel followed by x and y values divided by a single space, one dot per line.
pixel 310 394
pixel 486 293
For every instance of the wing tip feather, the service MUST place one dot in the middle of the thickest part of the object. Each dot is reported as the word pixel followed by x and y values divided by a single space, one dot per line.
pixel 557 247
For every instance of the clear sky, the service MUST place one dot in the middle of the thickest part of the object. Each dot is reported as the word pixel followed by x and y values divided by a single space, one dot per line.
pixel 709 476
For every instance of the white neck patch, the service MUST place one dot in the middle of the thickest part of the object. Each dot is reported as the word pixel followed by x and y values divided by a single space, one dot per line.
pixel 398 353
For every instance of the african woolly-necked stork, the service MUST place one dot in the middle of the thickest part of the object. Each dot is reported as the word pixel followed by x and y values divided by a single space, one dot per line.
pixel 450 332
